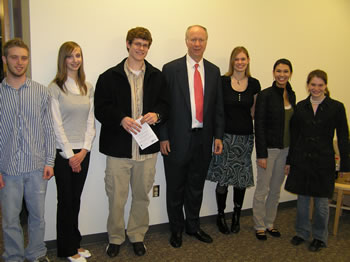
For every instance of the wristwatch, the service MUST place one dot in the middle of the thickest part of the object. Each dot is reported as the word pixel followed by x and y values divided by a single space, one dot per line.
pixel 158 118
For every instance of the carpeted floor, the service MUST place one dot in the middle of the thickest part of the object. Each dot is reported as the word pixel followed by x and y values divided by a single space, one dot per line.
pixel 234 247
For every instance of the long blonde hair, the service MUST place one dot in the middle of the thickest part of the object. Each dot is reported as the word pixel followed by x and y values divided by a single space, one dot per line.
pixel 66 50
pixel 237 50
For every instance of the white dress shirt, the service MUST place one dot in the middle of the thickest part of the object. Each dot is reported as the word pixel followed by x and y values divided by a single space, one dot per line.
pixel 190 72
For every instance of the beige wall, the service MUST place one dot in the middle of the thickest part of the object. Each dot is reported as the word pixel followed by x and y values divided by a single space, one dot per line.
pixel 312 34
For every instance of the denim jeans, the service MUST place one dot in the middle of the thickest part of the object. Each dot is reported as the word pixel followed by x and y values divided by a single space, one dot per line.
pixel 32 187
pixel 319 227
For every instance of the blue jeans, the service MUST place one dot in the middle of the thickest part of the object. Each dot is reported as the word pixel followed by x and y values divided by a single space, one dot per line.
pixel 32 187
pixel 319 227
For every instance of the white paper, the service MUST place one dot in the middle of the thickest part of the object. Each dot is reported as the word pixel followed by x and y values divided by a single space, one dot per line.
pixel 146 136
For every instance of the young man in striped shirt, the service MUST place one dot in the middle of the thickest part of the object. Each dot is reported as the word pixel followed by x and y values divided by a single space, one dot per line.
pixel 27 154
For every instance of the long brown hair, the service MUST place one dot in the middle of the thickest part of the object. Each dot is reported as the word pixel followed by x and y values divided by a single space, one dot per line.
pixel 66 50
pixel 235 52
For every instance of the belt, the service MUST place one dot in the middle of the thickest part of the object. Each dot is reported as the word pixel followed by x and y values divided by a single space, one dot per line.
pixel 196 129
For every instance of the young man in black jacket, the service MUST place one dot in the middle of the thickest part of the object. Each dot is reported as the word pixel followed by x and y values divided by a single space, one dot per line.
pixel 131 90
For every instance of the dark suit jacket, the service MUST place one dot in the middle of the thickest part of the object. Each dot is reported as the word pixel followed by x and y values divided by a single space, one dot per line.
pixel 178 127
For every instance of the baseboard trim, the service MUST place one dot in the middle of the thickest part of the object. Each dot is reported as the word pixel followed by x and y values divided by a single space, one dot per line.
pixel 103 237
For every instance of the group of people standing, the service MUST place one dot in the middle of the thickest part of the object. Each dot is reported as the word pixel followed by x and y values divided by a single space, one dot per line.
pixel 291 140
pixel 206 125
pixel 44 132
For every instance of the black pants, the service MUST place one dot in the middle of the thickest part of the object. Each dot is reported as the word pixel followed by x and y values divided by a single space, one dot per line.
pixel 185 183
pixel 69 188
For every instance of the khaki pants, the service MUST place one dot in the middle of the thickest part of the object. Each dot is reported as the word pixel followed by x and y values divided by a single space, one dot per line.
pixel 268 188
pixel 121 172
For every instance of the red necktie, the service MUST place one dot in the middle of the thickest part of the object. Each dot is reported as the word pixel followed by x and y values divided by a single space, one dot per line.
pixel 198 94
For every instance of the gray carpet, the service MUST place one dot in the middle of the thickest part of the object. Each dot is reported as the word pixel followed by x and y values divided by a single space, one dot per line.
pixel 234 247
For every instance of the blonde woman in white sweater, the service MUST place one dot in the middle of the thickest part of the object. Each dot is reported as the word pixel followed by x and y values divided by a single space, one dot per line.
pixel 74 124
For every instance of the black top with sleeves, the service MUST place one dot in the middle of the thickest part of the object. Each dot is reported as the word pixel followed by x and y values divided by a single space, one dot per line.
pixel 269 118
pixel 237 105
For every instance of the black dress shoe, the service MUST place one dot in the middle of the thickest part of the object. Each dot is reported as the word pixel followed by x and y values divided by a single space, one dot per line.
pixel 139 248
pixel 112 250
pixel 260 235
pixel 201 236
pixel 316 245
pixel 296 241
pixel 176 239
pixel 273 232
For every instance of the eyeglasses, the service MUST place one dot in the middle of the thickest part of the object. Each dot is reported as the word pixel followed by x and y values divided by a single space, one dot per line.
pixel 194 40
pixel 139 45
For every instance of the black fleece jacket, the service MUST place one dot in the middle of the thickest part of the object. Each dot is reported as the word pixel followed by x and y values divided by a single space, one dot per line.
pixel 269 118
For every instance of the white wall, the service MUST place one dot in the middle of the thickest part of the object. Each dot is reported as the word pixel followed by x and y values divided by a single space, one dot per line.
pixel 312 34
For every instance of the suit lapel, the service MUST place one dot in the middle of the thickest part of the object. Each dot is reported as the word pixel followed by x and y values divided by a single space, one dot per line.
pixel 183 80
pixel 207 88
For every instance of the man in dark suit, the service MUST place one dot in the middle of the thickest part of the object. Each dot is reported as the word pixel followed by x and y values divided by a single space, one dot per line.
pixel 196 118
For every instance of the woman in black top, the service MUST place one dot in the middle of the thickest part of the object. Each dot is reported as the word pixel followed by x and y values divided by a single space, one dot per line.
pixel 234 165
pixel 311 158
pixel 274 108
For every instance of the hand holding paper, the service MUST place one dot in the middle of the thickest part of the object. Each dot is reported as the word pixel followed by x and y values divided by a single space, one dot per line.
pixel 145 137
pixel 131 125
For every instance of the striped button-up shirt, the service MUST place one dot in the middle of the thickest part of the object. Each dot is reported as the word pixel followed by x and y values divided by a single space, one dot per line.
pixel 136 85
pixel 27 138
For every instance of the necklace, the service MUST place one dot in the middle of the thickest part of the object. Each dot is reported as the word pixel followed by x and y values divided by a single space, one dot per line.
pixel 238 80
pixel 316 102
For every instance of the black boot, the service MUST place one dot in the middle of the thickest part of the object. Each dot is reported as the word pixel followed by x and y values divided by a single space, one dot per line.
pixel 238 197
pixel 220 220
pixel 235 227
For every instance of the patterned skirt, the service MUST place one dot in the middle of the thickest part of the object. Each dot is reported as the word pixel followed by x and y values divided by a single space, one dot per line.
pixel 234 165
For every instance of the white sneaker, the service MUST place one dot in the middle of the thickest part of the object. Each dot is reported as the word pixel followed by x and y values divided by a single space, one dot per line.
pixel 79 259
pixel 86 253
pixel 42 259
